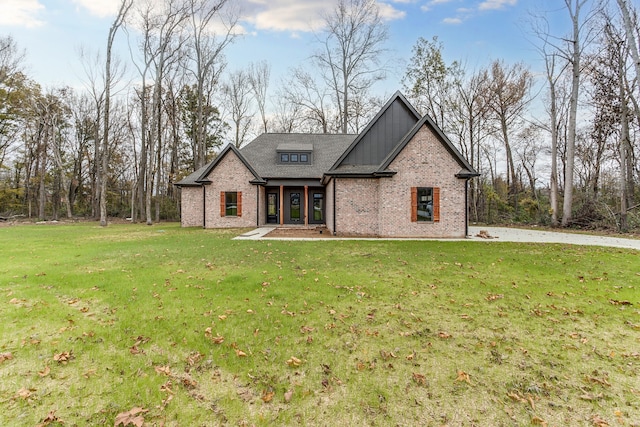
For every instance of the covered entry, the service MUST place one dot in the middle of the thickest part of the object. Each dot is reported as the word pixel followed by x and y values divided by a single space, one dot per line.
pixel 295 205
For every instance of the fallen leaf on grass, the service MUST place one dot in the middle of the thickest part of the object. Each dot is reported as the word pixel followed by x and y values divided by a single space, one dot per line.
pixel 45 371
pixel 5 356
pixel 89 373
pixel 164 370
pixel 267 396
pixel 24 393
pixel 64 357
pixel 419 378
pixel 537 421
pixel 599 422
pixel 444 335
pixel 50 418
pixel 287 396
pixel 240 353
pixel 294 362
pixel 217 339
pixel 132 417
pixel 464 377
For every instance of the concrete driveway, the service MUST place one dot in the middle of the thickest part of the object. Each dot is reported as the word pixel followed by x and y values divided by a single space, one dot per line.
pixel 494 234
pixel 504 234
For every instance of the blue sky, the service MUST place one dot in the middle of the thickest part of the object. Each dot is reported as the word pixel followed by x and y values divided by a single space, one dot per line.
pixel 279 31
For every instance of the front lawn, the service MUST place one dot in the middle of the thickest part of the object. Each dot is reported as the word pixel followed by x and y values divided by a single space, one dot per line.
pixel 186 327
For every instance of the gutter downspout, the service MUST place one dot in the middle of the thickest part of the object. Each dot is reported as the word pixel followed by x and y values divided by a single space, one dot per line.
pixel 257 206
pixel 466 208
pixel 335 183
pixel 204 206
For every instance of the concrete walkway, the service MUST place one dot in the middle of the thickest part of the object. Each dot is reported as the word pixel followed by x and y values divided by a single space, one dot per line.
pixel 495 234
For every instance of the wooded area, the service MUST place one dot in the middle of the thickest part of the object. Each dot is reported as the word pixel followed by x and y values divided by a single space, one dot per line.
pixel 554 147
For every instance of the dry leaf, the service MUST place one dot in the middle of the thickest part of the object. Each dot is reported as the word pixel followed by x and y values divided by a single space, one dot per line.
pixel 294 362
pixel 538 421
pixel 287 396
pixel 64 357
pixel 267 396
pixel 133 417
pixel 5 356
pixel 444 335
pixel 599 422
pixel 45 371
pixel 463 376
pixel 217 339
pixel 24 393
pixel 165 370
pixel 419 378
pixel 240 353
pixel 50 418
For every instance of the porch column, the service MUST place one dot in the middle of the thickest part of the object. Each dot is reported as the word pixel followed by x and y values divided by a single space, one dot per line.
pixel 306 205
pixel 282 205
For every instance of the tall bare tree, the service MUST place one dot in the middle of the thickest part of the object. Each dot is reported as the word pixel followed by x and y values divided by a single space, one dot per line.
pixel 507 98
pixel 206 63
pixel 352 52
pixel 574 56
pixel 109 81
pixel 237 91
pixel 259 74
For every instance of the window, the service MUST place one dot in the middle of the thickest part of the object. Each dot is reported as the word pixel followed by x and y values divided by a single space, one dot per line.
pixel 230 203
pixel 294 158
pixel 425 204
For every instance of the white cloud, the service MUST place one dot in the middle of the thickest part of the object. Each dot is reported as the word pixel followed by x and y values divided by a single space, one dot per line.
pixel 287 15
pixel 21 13
pixel 390 13
pixel 496 4
pixel 100 8
pixel 301 16
pixel 452 21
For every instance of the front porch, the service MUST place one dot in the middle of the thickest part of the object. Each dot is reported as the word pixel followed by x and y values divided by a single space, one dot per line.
pixel 295 205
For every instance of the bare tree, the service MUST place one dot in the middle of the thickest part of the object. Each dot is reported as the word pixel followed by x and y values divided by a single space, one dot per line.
pixel 311 99
pixel 237 92
pixel 507 98
pixel 259 79
pixel 632 36
pixel 206 62
pixel 574 56
pixel 109 81
pixel 352 48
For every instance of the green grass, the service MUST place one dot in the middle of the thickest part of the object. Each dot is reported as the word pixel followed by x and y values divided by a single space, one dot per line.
pixel 314 333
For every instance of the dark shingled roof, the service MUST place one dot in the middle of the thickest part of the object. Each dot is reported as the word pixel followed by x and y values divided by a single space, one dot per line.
pixel 262 153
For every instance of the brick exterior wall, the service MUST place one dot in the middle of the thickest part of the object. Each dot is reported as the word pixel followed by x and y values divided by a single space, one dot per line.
pixel 230 174
pixel 191 206
pixel 382 207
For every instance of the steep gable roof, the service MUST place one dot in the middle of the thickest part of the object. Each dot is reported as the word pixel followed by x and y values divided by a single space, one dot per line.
pixel 381 135
pixel 199 177
pixel 467 171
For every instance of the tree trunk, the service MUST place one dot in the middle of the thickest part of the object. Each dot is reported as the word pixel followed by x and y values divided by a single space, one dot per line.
pixel 567 206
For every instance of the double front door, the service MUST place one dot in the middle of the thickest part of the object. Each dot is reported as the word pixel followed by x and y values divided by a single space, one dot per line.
pixel 294 200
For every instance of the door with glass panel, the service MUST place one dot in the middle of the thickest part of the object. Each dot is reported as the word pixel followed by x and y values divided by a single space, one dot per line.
pixel 273 208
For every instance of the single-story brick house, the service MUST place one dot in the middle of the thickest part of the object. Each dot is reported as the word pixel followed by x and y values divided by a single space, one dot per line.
pixel 400 177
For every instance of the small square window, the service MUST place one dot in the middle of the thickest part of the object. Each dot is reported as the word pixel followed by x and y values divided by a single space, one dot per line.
pixel 284 158
pixel 304 158
pixel 294 157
